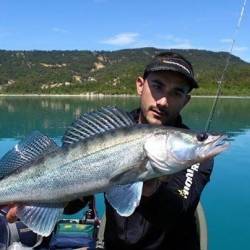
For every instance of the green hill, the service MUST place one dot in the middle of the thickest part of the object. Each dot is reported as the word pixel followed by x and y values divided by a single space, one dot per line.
pixel 76 72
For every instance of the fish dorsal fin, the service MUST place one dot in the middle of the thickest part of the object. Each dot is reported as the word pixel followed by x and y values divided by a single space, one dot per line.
pixel 25 152
pixel 96 122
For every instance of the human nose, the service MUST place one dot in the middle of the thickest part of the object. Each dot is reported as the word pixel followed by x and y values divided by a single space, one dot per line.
pixel 162 101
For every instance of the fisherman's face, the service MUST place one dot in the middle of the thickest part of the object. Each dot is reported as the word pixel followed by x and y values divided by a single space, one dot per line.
pixel 163 95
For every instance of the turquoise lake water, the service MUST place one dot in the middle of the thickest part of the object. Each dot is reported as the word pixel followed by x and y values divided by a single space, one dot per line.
pixel 226 199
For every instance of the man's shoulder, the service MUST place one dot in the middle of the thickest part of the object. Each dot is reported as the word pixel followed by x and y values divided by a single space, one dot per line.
pixel 135 114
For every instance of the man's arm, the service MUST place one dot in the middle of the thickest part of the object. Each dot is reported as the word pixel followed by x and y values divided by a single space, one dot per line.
pixel 71 208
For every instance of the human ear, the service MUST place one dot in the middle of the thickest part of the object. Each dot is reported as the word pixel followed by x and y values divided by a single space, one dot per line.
pixel 139 85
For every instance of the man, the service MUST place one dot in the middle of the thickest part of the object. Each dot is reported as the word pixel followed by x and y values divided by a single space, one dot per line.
pixel 165 217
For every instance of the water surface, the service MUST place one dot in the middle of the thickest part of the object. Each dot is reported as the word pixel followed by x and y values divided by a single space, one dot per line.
pixel 226 198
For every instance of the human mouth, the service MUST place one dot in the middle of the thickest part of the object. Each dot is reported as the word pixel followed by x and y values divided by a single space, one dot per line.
pixel 159 113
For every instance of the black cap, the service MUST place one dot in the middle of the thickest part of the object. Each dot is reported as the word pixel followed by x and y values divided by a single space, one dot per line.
pixel 172 63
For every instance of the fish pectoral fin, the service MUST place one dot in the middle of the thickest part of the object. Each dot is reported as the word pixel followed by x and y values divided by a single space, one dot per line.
pixel 125 198
pixel 40 218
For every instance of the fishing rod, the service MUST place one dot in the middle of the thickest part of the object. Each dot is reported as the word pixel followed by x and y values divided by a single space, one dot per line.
pixel 220 81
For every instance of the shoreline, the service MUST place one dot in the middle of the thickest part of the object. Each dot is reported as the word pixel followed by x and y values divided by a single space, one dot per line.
pixel 104 96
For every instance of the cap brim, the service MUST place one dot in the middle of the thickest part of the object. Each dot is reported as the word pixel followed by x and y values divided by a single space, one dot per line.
pixel 192 82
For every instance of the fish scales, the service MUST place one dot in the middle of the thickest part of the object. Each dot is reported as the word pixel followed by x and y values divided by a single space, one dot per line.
pixel 81 169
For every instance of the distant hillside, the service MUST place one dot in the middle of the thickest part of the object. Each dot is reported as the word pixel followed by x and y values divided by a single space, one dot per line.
pixel 75 72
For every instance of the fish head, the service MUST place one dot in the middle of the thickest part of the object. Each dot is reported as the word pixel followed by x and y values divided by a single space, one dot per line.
pixel 177 149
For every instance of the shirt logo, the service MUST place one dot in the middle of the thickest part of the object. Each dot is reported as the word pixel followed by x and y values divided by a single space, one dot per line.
pixel 189 180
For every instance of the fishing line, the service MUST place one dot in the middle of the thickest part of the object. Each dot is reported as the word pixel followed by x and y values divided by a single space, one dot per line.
pixel 220 81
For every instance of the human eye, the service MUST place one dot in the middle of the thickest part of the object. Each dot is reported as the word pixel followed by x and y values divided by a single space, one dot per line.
pixel 178 93
pixel 157 85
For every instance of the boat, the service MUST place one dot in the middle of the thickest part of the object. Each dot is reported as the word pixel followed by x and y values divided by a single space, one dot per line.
pixel 77 233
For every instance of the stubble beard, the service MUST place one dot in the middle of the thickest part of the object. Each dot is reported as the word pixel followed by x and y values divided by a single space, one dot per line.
pixel 153 116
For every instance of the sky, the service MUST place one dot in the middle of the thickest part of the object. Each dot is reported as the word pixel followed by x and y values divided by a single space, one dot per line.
pixel 121 24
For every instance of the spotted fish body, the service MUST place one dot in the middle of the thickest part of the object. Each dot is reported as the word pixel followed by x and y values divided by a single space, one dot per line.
pixel 104 151
pixel 81 169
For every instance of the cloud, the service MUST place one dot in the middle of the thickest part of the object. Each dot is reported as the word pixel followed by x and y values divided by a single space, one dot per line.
pixel 134 40
pixel 226 40
pixel 163 42
pixel 122 39
pixel 175 39
pixel 171 41
pixel 235 48
pixel 59 30
pixel 240 49
pixel 185 45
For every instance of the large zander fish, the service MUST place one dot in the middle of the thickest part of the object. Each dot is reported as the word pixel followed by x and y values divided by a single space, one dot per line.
pixel 103 151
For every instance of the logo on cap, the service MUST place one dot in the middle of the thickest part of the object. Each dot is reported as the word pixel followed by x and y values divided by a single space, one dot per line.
pixel 177 64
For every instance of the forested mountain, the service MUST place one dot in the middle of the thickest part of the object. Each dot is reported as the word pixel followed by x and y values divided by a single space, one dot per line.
pixel 79 72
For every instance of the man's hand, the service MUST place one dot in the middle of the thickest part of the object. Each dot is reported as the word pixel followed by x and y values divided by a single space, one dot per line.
pixel 151 186
pixel 11 214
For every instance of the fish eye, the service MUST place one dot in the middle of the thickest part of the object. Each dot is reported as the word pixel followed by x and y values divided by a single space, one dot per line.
pixel 202 136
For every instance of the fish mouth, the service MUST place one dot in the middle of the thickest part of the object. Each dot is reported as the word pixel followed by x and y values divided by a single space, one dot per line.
pixel 219 144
